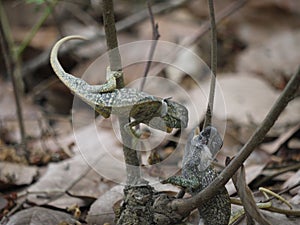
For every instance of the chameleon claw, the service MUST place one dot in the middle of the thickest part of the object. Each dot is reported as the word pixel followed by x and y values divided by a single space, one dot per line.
pixel 129 129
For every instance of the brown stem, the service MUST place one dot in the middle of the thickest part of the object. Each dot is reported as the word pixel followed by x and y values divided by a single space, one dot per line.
pixel 213 57
pixel 130 155
pixel 155 37
pixel 11 64
pixel 111 37
pixel 192 40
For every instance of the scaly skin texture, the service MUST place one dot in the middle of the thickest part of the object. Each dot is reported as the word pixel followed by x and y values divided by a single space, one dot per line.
pixel 158 113
pixel 198 173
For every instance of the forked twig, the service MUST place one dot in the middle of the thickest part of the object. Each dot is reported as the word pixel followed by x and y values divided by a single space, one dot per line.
pixel 130 155
pixel 155 37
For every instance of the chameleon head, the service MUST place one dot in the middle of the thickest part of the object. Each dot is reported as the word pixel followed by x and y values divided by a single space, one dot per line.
pixel 210 137
pixel 176 115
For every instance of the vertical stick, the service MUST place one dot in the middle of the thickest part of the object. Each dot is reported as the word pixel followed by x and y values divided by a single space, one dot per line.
pixel 111 39
pixel 155 37
pixel 130 155
pixel 12 66
pixel 210 105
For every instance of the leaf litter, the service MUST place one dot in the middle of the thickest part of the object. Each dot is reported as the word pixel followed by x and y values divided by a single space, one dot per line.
pixel 261 71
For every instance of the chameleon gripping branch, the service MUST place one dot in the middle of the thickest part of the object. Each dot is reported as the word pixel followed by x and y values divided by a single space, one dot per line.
pixel 198 173
pixel 158 113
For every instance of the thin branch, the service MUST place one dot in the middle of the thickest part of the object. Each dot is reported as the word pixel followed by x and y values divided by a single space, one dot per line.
pixel 213 65
pixel 277 173
pixel 11 64
pixel 195 38
pixel 43 58
pixel 266 191
pixel 155 37
pixel 26 41
pixel 111 39
pixel 130 155
pixel 257 137
pixel 247 198
pixel 268 207
pixel 283 191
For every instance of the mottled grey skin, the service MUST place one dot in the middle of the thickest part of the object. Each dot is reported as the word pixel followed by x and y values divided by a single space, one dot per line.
pixel 158 113
pixel 198 173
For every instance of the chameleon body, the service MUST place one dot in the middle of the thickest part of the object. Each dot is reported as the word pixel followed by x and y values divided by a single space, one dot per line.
pixel 158 113
pixel 198 173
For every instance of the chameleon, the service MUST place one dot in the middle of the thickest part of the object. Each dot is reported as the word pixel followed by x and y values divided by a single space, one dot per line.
pixel 198 173
pixel 158 113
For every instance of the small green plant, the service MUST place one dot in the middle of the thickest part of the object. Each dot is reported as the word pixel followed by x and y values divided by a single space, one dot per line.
pixel 38 2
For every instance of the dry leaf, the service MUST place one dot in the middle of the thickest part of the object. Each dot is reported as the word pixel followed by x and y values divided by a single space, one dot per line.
pixel 40 216
pixel 247 198
pixel 273 146
pixel 293 180
pixel 248 99
pixel 276 59
pixel 16 174
pixel 101 210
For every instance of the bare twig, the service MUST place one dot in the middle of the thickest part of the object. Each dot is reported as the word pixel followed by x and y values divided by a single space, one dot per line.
pixel 266 191
pixel 283 191
pixel 265 179
pixel 155 37
pixel 247 198
pixel 48 10
pixel 43 58
pixel 111 37
pixel 213 64
pixel 268 207
pixel 193 39
pixel 11 64
pixel 257 137
pixel 130 155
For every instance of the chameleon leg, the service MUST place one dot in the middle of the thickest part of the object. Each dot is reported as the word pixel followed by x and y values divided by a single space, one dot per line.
pixel 130 130
pixel 109 86
pixel 111 82
pixel 182 182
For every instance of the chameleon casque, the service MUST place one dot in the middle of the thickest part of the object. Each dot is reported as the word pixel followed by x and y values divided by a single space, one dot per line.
pixel 198 173
pixel 158 113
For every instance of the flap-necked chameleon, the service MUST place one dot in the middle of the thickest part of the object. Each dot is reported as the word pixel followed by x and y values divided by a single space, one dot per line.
pixel 198 173
pixel 158 113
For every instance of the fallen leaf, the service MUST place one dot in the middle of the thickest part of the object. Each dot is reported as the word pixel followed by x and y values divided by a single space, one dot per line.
pixel 16 174
pixel 273 146
pixel 101 210
pixel 61 178
pixel 40 216
pixel 251 173
pixel 276 59
pixel 248 99
pixel 293 180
